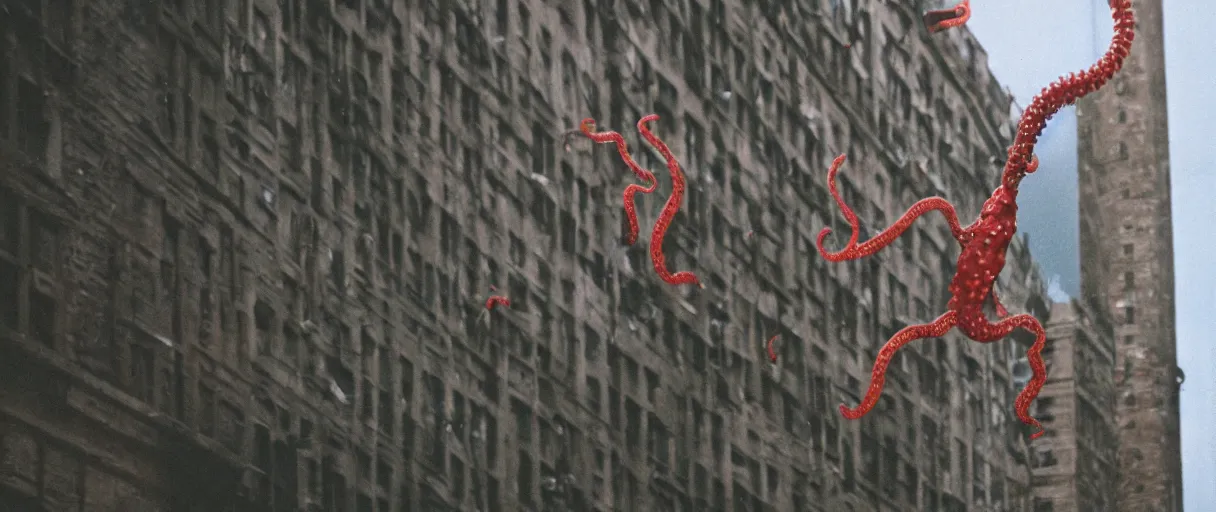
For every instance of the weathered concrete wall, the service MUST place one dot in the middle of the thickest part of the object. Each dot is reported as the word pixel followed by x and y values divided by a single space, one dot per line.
pixel 269 228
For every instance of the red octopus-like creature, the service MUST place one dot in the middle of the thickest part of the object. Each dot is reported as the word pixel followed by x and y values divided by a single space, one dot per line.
pixel 984 242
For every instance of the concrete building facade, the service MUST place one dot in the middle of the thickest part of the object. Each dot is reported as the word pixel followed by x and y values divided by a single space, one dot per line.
pixel 1127 261
pixel 246 246
pixel 1075 463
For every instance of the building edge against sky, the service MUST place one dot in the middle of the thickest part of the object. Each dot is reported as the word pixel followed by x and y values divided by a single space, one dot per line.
pixel 1127 260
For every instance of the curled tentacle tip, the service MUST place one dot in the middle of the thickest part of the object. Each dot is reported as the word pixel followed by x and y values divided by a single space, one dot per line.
pixel 587 125
pixel 823 235
pixel 1038 434
pixel 497 300
pixel 942 19
pixel 850 414
pixel 649 118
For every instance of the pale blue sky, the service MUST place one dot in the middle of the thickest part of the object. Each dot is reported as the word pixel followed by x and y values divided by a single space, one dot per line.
pixel 1029 44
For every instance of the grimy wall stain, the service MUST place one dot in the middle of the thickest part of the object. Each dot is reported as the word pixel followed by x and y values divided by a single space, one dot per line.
pixel 1127 261
pixel 244 245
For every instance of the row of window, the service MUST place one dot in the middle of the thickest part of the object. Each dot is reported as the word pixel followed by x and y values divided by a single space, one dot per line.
pixel 368 390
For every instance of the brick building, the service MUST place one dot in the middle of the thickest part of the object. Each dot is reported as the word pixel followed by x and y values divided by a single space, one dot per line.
pixel 1127 261
pixel 245 246
pixel 1075 464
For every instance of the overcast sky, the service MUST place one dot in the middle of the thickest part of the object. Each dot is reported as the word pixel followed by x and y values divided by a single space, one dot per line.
pixel 1029 44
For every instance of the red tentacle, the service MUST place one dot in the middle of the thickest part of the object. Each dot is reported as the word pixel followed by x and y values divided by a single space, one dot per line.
pixel 853 250
pixel 973 323
pixel 587 127
pixel 771 354
pixel 497 300
pixel 669 210
pixel 942 19
pixel 1066 90
pixel 1034 356
pixel 878 377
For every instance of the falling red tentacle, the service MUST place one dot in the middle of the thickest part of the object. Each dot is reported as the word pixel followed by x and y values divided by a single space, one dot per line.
pixel 853 250
pixel 497 300
pixel 942 19
pixel 669 210
pixel 771 354
pixel 587 128
pixel 1034 357
pixel 1066 90
pixel 972 322
pixel 878 377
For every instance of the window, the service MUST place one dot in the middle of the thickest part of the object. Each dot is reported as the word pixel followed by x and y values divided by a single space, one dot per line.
pixel 1046 458
pixel 593 394
pixel 5 71
pixel 501 15
pixel 523 422
pixel 32 119
pixel 29 260
pixel 1129 280
pixel 140 380
pixel 524 475
pixel 209 139
pixel 263 320
pixel 1129 315
pixel 1128 249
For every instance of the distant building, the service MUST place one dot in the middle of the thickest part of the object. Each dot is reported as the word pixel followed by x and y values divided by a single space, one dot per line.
pixel 244 247
pixel 1127 260
pixel 1074 463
